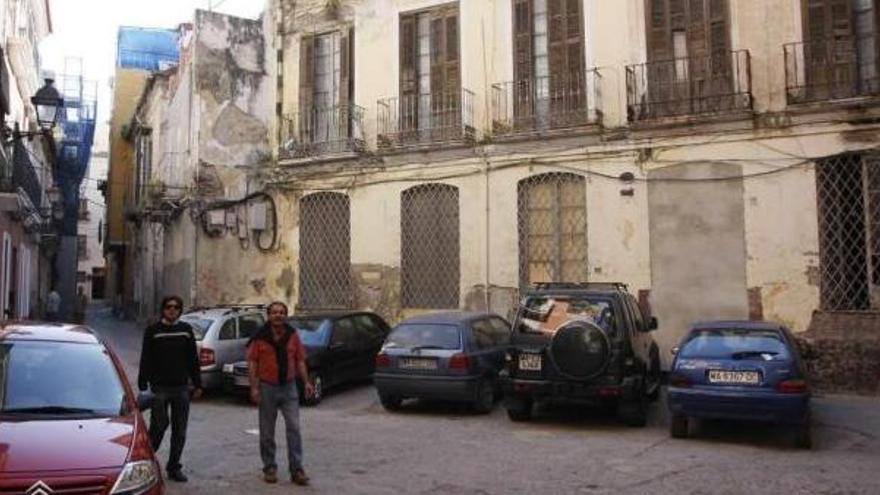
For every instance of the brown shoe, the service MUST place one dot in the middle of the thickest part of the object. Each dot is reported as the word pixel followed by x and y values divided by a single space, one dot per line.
pixel 270 476
pixel 300 478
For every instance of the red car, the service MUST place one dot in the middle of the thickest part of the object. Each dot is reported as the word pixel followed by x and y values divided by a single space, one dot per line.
pixel 69 422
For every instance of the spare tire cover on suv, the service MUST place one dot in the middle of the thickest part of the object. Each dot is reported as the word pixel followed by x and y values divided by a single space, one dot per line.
pixel 579 349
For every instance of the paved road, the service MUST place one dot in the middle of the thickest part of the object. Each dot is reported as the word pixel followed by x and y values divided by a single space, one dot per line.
pixel 354 446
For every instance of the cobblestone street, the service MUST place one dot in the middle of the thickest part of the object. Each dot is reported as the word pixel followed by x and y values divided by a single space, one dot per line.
pixel 354 446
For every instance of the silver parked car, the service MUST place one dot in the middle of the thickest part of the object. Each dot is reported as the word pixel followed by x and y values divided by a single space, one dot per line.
pixel 222 333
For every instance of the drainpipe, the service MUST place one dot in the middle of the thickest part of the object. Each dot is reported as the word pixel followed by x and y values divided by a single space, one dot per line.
pixel 486 296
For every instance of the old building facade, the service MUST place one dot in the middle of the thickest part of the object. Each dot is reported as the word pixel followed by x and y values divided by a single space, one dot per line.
pixel 27 243
pixel 429 154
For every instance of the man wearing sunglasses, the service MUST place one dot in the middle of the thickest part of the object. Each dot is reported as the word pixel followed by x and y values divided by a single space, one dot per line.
pixel 169 367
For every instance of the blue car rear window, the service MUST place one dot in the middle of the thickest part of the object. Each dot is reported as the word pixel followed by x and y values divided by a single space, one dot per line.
pixel 425 335
pixel 731 343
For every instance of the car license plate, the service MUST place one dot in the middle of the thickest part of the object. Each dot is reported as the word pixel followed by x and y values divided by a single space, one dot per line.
pixel 530 362
pixel 418 363
pixel 227 368
pixel 242 381
pixel 734 377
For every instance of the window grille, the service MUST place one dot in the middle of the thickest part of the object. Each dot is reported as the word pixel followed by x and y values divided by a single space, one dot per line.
pixel 325 251
pixel 552 222
pixel 848 195
pixel 430 270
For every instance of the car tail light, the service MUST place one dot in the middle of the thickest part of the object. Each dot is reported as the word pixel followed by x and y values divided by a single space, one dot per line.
pixel 459 362
pixel 206 357
pixel 679 380
pixel 382 360
pixel 610 391
pixel 792 386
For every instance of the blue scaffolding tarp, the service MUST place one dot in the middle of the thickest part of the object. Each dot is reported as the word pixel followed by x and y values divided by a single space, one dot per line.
pixel 146 48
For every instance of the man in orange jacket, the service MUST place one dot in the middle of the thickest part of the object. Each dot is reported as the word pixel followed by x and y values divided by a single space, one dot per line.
pixel 276 357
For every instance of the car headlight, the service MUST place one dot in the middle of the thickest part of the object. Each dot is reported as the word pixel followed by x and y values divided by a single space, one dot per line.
pixel 136 478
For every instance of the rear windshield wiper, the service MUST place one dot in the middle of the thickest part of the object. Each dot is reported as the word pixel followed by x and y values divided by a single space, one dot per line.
pixel 48 410
pixel 749 354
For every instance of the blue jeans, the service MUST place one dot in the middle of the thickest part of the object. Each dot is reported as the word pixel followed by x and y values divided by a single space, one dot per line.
pixel 272 399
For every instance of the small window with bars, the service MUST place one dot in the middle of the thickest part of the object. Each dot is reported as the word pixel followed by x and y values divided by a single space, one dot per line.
pixel 325 251
pixel 82 247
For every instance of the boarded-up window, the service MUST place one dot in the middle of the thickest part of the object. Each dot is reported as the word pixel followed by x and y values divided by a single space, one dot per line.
pixel 552 229
pixel 430 247
pixel 430 78
pixel 848 193
pixel 548 51
pixel 324 251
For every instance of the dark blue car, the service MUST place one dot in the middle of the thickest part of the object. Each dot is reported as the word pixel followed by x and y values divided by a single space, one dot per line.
pixel 740 370
pixel 452 356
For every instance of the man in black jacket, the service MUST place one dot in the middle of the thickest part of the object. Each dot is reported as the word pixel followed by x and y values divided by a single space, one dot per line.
pixel 169 365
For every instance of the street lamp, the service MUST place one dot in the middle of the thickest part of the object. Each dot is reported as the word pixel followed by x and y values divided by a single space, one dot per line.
pixel 48 103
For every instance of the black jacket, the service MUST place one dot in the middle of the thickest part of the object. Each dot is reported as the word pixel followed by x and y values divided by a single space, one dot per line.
pixel 169 357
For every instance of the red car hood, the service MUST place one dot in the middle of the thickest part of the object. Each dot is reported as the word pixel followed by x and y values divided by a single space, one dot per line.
pixel 61 445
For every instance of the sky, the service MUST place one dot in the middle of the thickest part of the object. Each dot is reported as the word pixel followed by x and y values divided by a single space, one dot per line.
pixel 87 29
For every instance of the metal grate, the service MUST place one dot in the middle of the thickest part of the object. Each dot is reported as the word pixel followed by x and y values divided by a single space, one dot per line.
pixel 541 103
pixel 708 85
pixel 426 119
pixel 316 131
pixel 325 251
pixel 430 247
pixel 832 69
pixel 552 224
pixel 848 195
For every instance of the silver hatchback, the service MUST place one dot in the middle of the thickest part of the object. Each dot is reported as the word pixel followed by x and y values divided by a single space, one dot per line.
pixel 222 334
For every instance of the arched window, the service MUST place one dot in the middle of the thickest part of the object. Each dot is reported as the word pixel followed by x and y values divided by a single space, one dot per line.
pixel 429 233
pixel 552 219
pixel 325 251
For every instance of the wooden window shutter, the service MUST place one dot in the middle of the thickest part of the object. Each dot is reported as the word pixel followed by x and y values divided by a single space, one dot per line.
pixel 306 86
pixel 409 78
pixel 452 72
pixel 659 35
pixel 523 30
pixel 575 73
pixel 556 47
pixel 345 66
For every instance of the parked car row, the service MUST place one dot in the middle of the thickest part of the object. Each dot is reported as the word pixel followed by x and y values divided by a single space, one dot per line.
pixel 577 343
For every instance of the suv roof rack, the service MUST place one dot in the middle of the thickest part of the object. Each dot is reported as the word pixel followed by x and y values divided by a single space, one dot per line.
pixel 581 285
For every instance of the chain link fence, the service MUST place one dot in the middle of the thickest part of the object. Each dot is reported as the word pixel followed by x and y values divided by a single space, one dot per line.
pixel 430 267
pixel 552 223
pixel 848 195
pixel 325 251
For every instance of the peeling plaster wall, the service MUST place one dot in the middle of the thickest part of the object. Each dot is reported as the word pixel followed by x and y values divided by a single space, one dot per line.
pixel 770 260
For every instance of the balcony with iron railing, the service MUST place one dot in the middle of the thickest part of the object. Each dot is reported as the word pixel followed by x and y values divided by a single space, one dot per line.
pixel 715 85
pixel 544 104
pixel 832 69
pixel 19 174
pixel 426 120
pixel 322 132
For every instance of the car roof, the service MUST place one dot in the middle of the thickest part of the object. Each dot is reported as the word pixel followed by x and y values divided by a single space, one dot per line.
pixel 47 332
pixel 223 311
pixel 738 324
pixel 447 317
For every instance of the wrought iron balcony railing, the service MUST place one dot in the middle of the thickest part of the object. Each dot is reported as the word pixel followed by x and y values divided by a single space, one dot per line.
pixel 546 103
pixel 716 84
pixel 18 172
pixel 426 119
pixel 832 69
pixel 316 131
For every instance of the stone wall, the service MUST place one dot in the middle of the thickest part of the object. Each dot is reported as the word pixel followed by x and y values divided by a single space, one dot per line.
pixel 844 351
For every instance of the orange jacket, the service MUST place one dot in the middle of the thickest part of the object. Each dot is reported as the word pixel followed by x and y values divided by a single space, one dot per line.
pixel 261 350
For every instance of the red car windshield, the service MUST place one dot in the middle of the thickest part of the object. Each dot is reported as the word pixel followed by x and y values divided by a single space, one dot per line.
pixel 55 378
